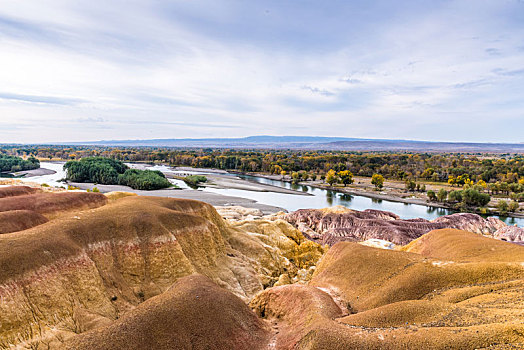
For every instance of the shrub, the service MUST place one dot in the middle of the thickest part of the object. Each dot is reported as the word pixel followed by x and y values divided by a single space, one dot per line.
pixel 411 185
pixel 432 195
pixel 502 206
pixel 455 196
pixel 513 206
pixel 442 195
pixel 194 180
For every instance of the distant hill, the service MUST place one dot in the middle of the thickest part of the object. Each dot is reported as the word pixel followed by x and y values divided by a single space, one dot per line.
pixel 318 143
pixel 263 140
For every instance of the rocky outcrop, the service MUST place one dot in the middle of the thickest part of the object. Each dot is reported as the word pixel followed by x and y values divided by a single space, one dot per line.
pixel 510 234
pixel 470 222
pixel 327 226
pixel 237 213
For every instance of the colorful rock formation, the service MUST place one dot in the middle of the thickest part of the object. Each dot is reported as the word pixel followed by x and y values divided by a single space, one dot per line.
pixel 328 226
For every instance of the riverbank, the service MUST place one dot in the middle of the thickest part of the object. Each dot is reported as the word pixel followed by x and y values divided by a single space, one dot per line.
pixel 214 199
pixel 393 191
pixel 34 172
pixel 230 182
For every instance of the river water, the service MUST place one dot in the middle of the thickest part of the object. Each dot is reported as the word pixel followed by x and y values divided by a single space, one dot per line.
pixel 322 198
pixel 318 198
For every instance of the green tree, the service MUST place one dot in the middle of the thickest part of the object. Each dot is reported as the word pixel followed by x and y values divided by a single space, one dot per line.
pixel 377 180
pixel 513 206
pixel 473 197
pixel 411 185
pixel 113 172
pixel 502 206
pixel 331 177
pixel 346 177
pixel 295 177
pixel 455 196
pixel 442 195
pixel 432 195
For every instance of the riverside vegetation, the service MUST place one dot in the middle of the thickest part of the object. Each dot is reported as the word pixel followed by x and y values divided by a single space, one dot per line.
pixel 114 172
pixel 482 176
pixel 194 180
pixel 10 163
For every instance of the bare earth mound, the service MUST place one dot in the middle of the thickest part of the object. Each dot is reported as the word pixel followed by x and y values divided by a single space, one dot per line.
pixel 194 313
pixel 403 300
pixel 50 204
pixel 86 268
pixel 13 191
pixel 18 220
pixel 93 273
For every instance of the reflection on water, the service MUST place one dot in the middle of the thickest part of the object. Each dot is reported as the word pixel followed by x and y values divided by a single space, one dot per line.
pixel 512 221
pixel 320 198
pixel 326 198
pixel 346 197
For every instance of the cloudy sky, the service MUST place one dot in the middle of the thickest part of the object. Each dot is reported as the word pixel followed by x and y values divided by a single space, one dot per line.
pixel 426 70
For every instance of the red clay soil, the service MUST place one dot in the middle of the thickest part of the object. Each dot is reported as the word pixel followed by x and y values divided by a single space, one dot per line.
pixel 13 191
pixel 53 203
pixel 18 220
pixel 193 314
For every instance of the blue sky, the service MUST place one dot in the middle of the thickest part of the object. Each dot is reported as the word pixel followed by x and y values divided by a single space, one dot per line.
pixel 425 70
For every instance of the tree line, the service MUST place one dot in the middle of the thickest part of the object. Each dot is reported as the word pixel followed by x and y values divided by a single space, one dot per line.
pixel 503 173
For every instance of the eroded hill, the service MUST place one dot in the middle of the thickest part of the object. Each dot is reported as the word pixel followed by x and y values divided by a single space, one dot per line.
pixel 85 268
pixel 88 271
pixel 340 224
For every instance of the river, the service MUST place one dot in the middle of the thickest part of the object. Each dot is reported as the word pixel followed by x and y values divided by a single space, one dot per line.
pixel 320 198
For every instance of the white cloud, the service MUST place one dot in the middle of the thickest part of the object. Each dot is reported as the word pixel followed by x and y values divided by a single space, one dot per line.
pixel 200 69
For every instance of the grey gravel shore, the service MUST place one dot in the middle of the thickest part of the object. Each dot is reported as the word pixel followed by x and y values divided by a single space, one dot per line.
pixel 204 196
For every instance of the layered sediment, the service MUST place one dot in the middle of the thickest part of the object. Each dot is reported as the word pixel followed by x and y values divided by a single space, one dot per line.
pixel 332 225
pixel 368 298
pixel 85 268
pixel 131 272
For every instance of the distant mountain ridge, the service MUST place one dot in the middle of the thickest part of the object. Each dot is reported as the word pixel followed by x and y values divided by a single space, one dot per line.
pixel 317 143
